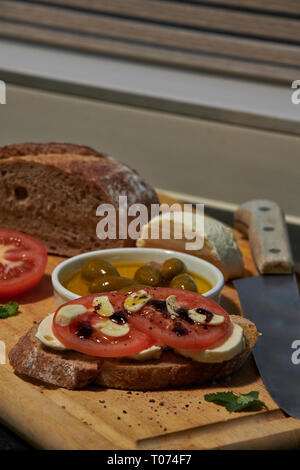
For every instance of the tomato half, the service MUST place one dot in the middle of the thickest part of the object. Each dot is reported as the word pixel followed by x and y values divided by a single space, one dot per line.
pixel 180 332
pixel 23 261
pixel 83 336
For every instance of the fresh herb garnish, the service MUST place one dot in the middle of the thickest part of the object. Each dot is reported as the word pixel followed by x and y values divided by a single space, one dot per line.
pixel 9 309
pixel 233 403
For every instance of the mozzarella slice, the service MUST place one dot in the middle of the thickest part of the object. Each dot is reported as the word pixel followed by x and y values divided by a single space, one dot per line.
pixel 46 335
pixel 233 346
pixel 201 318
pixel 154 352
pixel 67 314
pixel 103 306
pixel 135 301
pixel 110 328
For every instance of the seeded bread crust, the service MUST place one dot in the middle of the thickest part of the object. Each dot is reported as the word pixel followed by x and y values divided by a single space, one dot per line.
pixel 52 192
pixel 74 370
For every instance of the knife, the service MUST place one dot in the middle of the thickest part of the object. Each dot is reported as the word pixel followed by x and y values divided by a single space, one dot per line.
pixel 271 301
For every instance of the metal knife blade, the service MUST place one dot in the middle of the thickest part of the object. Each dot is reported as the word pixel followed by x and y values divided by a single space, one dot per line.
pixel 271 301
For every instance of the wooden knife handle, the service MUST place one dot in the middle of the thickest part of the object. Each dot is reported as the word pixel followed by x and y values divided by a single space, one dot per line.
pixel 264 224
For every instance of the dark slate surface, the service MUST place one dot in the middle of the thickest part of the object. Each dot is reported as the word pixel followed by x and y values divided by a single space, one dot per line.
pixel 10 441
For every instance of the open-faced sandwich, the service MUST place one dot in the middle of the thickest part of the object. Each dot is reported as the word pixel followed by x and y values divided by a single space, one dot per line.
pixel 152 338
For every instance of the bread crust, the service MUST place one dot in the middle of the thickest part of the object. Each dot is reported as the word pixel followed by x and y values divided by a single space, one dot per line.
pixel 68 369
pixel 31 148
pixel 31 358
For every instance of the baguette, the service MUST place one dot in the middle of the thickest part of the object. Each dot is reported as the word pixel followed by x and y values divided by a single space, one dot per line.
pixel 74 370
pixel 219 248
pixel 51 191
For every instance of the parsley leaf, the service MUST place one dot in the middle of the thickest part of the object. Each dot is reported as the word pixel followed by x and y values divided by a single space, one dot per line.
pixel 234 403
pixel 9 309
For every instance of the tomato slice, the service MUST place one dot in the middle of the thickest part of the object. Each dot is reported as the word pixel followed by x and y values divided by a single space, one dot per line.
pixel 84 336
pixel 23 261
pixel 180 332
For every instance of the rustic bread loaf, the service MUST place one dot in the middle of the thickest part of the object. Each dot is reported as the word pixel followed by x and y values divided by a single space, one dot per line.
pixel 73 370
pixel 52 191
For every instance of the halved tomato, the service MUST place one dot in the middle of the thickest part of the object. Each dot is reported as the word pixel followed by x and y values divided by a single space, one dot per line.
pixel 85 334
pixel 23 261
pixel 180 332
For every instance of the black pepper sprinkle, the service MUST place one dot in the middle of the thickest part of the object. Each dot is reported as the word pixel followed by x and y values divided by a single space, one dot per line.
pixel 101 401
pixel 161 403
pixel 125 412
pixel 152 400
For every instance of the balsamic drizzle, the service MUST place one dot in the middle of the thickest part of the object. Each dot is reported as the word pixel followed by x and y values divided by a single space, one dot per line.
pixel 209 315
pixel 118 317
pixel 84 330
pixel 179 329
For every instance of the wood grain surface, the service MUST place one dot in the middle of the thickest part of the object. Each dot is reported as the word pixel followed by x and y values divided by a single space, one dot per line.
pixel 98 418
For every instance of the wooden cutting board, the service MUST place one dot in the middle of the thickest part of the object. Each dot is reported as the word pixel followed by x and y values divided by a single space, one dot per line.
pixel 98 418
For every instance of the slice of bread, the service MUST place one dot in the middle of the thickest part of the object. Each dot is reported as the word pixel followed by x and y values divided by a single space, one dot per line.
pixel 74 370
pixel 69 369
pixel 52 191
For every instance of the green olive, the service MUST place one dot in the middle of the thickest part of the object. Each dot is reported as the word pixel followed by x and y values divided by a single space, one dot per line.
pixel 132 287
pixel 149 275
pixel 183 281
pixel 109 283
pixel 96 267
pixel 171 268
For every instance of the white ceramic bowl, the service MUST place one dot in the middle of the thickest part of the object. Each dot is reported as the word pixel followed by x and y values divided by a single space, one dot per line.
pixel 193 264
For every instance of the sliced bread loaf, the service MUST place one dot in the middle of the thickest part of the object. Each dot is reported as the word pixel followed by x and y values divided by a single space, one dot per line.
pixel 52 191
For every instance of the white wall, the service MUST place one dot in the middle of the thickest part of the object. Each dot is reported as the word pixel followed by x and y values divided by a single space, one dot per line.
pixel 189 155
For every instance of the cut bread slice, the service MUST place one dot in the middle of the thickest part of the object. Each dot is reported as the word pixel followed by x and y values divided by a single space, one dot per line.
pixel 68 369
pixel 52 191
pixel 74 370
pixel 219 248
